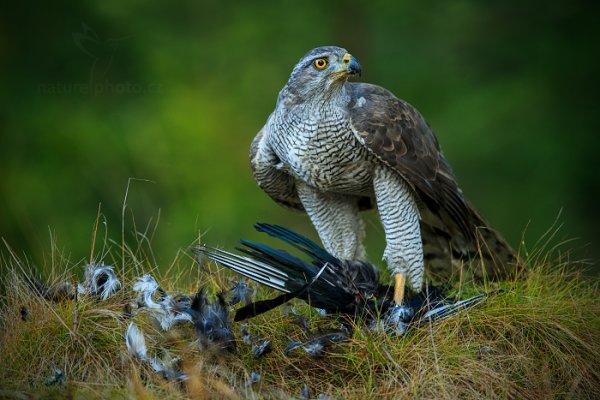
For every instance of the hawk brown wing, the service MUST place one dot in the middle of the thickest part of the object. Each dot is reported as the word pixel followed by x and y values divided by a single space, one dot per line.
pixel 400 137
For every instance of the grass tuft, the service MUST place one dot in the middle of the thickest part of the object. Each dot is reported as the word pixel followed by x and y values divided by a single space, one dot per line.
pixel 536 339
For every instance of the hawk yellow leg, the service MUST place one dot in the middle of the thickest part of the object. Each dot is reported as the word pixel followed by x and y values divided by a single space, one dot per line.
pixel 399 288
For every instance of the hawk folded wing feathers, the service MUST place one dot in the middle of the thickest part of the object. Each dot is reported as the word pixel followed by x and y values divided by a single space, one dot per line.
pixel 401 138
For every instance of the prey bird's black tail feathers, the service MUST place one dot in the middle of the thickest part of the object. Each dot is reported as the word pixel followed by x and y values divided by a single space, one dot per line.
pixel 256 270
pixel 334 290
pixel 307 246
pixel 353 276
pixel 293 267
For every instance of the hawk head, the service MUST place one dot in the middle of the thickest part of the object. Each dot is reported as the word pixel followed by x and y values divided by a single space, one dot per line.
pixel 319 72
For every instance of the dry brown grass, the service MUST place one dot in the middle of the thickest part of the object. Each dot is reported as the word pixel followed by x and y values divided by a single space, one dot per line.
pixel 539 339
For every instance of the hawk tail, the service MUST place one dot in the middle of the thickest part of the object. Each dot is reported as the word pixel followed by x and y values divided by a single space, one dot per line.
pixel 484 251
pixel 498 260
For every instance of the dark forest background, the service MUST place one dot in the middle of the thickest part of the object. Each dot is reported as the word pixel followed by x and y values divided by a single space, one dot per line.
pixel 172 93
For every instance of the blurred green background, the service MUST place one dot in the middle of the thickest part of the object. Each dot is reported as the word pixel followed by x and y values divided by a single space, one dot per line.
pixel 172 93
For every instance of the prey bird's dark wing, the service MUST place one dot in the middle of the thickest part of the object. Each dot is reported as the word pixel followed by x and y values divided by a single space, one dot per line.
pixel 352 276
pixel 325 282
pixel 318 254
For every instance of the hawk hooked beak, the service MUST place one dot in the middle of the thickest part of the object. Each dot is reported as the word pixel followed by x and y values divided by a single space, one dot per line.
pixel 350 66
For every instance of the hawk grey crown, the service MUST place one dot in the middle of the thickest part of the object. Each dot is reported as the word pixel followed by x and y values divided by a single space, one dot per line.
pixel 333 148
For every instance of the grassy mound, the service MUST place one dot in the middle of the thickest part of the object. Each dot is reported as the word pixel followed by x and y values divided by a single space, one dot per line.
pixel 539 339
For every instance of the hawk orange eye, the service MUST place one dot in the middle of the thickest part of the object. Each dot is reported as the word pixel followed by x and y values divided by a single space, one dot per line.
pixel 321 63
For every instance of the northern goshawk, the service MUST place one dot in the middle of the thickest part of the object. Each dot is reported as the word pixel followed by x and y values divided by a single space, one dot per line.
pixel 333 148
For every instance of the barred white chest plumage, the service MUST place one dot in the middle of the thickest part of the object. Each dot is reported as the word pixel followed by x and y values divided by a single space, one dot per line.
pixel 318 147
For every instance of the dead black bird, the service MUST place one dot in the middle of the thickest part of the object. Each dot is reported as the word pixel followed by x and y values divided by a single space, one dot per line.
pixel 342 286
pixel 337 286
